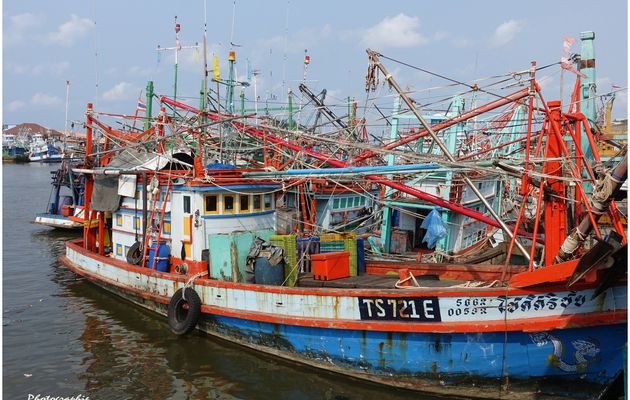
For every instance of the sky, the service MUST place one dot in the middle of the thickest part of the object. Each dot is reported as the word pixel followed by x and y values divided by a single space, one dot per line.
pixel 108 50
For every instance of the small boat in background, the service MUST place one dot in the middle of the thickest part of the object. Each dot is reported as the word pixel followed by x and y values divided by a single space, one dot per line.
pixel 13 150
pixel 43 151
pixel 64 209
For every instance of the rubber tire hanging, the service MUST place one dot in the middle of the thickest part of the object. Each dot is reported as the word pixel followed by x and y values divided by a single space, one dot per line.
pixel 134 254
pixel 182 320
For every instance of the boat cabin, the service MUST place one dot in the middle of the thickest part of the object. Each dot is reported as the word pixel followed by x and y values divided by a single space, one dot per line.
pixel 204 226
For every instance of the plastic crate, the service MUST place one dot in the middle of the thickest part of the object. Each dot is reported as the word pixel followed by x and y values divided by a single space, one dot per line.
pixel 331 246
pixel 305 247
pixel 288 244
pixel 360 256
pixel 350 246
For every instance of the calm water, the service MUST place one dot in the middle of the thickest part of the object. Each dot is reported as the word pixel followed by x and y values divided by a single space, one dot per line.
pixel 64 336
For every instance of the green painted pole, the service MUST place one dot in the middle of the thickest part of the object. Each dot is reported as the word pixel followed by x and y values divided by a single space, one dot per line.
pixel 450 136
pixel 242 103
pixel 175 85
pixel 229 98
pixel 149 102
pixel 290 120
pixel 386 224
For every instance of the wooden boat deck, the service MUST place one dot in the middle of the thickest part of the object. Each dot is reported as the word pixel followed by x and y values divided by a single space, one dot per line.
pixel 368 281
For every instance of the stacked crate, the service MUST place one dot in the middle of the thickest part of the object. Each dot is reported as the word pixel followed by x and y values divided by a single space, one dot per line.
pixel 335 242
pixel 305 247
pixel 288 244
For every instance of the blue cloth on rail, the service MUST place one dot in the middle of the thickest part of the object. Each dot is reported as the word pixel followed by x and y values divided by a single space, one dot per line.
pixel 435 227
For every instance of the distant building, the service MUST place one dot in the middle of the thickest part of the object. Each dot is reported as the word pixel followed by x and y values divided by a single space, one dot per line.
pixel 28 128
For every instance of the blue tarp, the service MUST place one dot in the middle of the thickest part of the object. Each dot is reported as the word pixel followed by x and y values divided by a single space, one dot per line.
pixel 220 166
pixel 435 227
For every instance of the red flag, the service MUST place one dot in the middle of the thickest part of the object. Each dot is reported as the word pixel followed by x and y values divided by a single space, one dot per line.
pixel 564 61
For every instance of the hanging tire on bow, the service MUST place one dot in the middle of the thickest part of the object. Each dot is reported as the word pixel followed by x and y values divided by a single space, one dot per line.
pixel 183 314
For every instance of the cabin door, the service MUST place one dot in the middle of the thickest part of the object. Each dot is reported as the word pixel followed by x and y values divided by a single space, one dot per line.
pixel 187 236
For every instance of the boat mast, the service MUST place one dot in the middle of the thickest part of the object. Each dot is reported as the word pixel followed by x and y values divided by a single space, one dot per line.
pixel 178 47
pixel 65 129
pixel 375 62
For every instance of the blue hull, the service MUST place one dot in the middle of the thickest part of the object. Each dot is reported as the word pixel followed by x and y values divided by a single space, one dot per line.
pixel 542 362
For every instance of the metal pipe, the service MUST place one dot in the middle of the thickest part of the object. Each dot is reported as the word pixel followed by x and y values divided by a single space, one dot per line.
pixel 446 124
pixel 144 207
pixel 348 170
pixel 458 208
pixel 374 58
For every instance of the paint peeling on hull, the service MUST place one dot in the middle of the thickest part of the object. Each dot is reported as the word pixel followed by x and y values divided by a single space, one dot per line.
pixel 418 361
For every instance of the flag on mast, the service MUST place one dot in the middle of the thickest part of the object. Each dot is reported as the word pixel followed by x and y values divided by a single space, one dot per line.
pixel 565 63
pixel 215 68
pixel 142 106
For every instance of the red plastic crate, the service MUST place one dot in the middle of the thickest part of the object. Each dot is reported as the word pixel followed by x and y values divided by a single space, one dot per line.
pixel 329 266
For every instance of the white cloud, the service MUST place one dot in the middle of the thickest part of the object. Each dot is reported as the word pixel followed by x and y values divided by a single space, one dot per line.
pixel 71 31
pixel 297 41
pixel 57 68
pixel 16 105
pixel 20 26
pixel 398 31
pixel 505 32
pixel 45 100
pixel 121 91
pixel 140 71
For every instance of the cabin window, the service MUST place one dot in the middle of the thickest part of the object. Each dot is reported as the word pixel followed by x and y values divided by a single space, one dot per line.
pixel 267 201
pixel 343 203
pixel 228 203
pixel 186 204
pixel 357 201
pixel 257 202
pixel 362 201
pixel 119 220
pixel 166 228
pixel 119 250
pixel 212 204
pixel 244 203
pixel 336 203
pixel 137 222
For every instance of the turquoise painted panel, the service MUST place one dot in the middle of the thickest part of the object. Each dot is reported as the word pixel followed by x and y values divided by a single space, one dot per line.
pixel 228 253
pixel 220 257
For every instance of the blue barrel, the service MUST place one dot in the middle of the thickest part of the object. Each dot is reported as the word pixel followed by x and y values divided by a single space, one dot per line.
pixel 360 256
pixel 267 274
pixel 161 262
pixel 63 201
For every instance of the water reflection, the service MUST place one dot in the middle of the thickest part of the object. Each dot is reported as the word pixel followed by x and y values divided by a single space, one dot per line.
pixel 70 336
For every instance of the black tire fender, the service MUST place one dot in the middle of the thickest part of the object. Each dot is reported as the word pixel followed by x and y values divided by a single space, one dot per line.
pixel 181 319
pixel 134 254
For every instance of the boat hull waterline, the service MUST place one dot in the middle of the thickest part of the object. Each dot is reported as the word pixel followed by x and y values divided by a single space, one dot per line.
pixel 449 342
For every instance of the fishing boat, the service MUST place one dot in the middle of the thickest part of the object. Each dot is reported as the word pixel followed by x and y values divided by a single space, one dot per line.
pixel 200 245
pixel 43 151
pixel 459 333
pixel 64 208
pixel 13 150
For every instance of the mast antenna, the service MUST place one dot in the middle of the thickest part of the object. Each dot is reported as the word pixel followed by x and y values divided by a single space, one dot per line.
pixel 232 31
